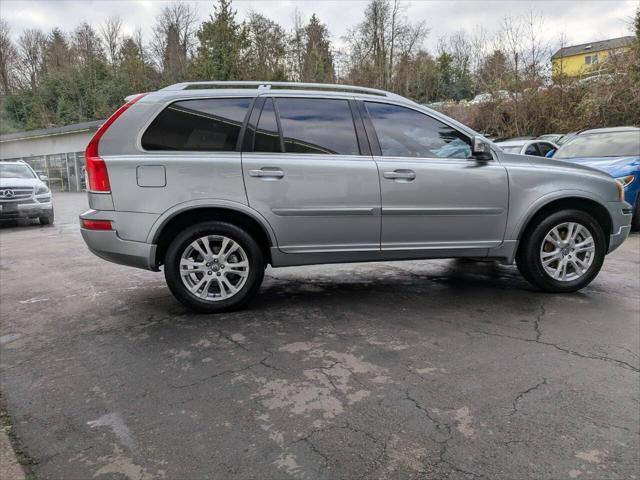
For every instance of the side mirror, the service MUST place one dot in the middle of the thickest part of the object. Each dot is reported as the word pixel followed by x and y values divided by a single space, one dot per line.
pixel 44 178
pixel 481 149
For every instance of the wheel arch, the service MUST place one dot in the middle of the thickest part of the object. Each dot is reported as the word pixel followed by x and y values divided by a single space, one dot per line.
pixel 577 202
pixel 172 222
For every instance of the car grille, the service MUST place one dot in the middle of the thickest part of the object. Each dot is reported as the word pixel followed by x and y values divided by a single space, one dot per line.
pixel 9 194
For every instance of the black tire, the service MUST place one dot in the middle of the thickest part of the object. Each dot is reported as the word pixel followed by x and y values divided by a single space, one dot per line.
pixel 47 219
pixel 528 256
pixel 635 221
pixel 255 258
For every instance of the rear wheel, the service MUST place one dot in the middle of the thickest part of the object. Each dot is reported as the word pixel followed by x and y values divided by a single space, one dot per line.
pixel 214 267
pixel 562 252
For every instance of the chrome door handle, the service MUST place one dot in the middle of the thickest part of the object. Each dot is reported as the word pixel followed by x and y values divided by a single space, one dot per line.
pixel 267 172
pixel 408 175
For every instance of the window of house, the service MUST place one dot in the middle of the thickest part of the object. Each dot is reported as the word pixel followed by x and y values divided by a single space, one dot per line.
pixel 198 125
pixel 403 132
pixel 317 125
pixel 591 59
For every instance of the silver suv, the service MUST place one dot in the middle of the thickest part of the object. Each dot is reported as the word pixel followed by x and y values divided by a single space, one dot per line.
pixel 23 193
pixel 216 180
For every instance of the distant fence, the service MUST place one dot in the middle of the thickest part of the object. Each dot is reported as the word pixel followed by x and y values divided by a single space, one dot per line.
pixel 65 170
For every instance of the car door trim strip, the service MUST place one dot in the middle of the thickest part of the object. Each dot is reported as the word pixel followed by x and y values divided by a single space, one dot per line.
pixel 429 211
pixel 322 212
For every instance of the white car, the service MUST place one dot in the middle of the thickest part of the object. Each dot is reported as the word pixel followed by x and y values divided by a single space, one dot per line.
pixel 538 148
pixel 23 193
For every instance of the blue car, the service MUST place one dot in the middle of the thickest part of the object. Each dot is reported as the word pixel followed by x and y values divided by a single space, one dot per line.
pixel 612 150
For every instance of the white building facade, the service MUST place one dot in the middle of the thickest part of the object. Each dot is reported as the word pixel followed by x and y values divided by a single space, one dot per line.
pixel 56 152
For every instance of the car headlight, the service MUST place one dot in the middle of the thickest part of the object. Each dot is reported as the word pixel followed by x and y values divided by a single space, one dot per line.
pixel 42 189
pixel 625 181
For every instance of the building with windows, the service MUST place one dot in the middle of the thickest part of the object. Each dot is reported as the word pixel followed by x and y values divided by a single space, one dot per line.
pixel 56 152
pixel 587 58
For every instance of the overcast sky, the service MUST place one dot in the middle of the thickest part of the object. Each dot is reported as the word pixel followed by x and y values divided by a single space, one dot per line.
pixel 580 21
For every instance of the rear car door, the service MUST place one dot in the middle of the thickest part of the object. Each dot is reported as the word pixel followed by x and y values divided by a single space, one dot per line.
pixel 435 196
pixel 309 172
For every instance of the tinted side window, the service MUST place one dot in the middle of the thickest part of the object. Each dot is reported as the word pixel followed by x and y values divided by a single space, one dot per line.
pixel 545 148
pixel 403 132
pixel 315 125
pixel 267 135
pixel 207 124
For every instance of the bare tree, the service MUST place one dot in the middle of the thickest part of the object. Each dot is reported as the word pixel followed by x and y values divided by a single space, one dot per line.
pixel 87 45
pixel 173 38
pixel 8 58
pixel 31 45
pixel 537 50
pixel 511 38
pixel 384 35
pixel 111 33
pixel 296 45
pixel 264 55
pixel 395 11
pixel 138 38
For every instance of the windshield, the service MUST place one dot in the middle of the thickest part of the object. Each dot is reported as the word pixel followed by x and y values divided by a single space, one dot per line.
pixel 611 144
pixel 12 170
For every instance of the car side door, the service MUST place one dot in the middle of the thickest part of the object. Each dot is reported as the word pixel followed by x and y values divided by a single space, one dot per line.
pixel 308 170
pixel 436 197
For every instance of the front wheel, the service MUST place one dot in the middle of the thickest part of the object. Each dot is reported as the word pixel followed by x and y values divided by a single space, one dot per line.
pixel 46 219
pixel 562 252
pixel 214 267
pixel 635 221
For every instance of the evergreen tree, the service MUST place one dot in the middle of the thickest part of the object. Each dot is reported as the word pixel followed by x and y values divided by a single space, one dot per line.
pixel 57 52
pixel 318 61
pixel 221 43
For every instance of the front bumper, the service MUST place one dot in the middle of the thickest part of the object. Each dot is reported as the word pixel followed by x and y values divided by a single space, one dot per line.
pixel 107 245
pixel 621 214
pixel 12 210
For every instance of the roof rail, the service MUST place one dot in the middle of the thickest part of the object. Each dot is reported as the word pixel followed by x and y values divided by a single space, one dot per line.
pixel 265 85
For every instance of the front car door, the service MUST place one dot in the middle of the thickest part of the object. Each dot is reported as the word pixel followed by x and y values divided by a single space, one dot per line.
pixel 309 172
pixel 436 198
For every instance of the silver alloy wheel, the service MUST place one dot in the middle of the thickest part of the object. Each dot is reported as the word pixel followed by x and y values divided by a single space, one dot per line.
pixel 567 251
pixel 214 268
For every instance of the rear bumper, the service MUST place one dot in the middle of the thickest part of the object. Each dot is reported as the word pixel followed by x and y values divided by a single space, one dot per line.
pixel 107 245
pixel 38 209
pixel 621 214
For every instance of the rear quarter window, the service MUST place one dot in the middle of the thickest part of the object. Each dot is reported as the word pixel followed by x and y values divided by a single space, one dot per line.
pixel 198 125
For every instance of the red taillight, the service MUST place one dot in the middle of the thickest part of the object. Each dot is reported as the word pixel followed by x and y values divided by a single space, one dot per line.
pixel 97 174
pixel 96 224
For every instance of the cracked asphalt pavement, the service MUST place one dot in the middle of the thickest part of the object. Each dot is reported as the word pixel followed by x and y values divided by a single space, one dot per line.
pixel 430 369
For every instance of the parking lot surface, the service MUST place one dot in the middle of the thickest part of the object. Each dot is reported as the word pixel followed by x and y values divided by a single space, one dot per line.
pixel 430 369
